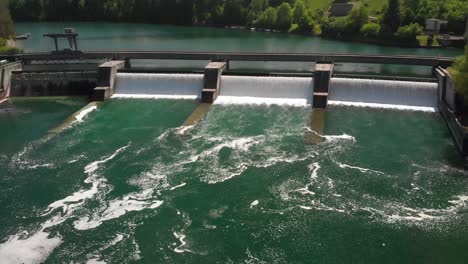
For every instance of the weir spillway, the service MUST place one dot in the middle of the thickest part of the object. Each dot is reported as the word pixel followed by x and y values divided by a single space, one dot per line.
pixel 281 90
pixel 110 74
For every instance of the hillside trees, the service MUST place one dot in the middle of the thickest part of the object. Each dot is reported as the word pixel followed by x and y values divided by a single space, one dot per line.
pixel 6 24
pixel 268 18
pixel 459 72
pixel 392 17
pixel 284 17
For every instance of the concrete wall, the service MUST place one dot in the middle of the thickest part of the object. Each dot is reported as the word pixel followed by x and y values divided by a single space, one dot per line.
pixel 106 73
pixel 53 83
pixel 60 66
pixel 450 93
pixel 5 77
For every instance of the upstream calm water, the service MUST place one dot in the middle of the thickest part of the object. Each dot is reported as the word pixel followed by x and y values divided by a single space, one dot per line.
pixel 145 37
pixel 125 186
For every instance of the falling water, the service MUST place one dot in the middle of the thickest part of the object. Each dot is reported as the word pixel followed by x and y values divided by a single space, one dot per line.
pixel 146 85
pixel 384 93
pixel 281 90
pixel 266 90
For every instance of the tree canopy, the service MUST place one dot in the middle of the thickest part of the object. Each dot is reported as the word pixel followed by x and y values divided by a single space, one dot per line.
pixel 459 72
pixel 398 18
pixel 6 24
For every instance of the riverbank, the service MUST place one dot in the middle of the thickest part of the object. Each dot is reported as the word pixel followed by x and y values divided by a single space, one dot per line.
pixel 8 46
pixel 419 42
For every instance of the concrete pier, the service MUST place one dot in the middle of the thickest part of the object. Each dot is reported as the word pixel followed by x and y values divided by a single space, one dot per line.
pixel 6 72
pixel 73 118
pixel 322 78
pixel 212 80
pixel 106 80
pixel 316 127
pixel 450 112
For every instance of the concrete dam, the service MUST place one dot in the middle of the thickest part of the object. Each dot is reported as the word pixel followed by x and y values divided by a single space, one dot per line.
pixel 104 75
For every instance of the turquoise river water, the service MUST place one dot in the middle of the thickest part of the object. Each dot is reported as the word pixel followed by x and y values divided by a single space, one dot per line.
pixel 122 184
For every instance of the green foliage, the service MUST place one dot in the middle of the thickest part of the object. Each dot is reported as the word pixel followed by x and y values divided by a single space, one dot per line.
pixel 256 7
pixel 234 13
pixel 284 17
pixel 6 24
pixel 409 32
pixel 334 27
pixel 454 11
pixel 268 18
pixel 303 22
pixel 298 16
pixel 391 19
pixel 300 11
pixel 4 49
pixel 356 19
pixel 459 72
pixel 371 30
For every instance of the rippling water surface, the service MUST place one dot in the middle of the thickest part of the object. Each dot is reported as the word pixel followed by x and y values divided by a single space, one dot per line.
pixel 126 186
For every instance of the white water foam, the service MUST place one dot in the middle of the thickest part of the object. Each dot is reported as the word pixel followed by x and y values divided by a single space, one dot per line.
pixel 386 211
pixel 117 208
pixel 343 137
pixel 178 186
pixel 254 203
pixel 181 248
pixel 35 248
pixel 401 95
pixel 152 85
pixel 81 115
pixel 385 106
pixel 364 170
pixel 31 250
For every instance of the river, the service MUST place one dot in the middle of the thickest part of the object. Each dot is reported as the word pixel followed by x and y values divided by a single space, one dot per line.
pixel 124 185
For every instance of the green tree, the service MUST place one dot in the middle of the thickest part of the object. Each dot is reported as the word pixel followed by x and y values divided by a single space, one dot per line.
pixel 409 32
pixel 284 17
pixel 370 30
pixel 234 13
pixel 6 24
pixel 459 72
pixel 268 18
pixel 391 20
pixel 356 19
pixel 256 7
pixel 300 11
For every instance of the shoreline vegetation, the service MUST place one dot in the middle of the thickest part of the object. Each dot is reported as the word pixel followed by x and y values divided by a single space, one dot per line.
pixel 382 22
pixel 7 31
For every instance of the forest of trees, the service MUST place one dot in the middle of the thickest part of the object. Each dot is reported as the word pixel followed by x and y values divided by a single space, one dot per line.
pixel 398 18
pixel 6 24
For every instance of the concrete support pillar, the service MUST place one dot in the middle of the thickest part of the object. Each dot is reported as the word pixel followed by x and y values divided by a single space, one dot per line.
pixel 212 81
pixel 128 64
pixel 314 134
pixel 6 71
pixel 106 80
pixel 322 80
pixel 441 76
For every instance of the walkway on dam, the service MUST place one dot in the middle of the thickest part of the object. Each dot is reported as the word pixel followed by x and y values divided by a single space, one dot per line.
pixel 236 56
